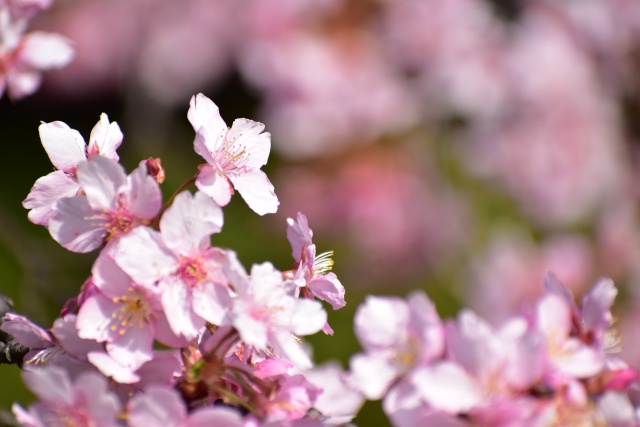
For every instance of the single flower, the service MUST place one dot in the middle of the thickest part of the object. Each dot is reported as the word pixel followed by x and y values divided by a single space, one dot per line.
pixel 234 157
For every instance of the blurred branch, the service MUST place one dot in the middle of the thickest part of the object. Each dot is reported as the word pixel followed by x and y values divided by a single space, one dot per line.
pixel 11 352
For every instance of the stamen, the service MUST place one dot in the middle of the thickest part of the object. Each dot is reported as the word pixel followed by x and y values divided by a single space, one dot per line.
pixel 134 311
pixel 323 263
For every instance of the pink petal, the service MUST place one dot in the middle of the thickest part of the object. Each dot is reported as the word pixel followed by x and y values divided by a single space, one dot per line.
pixel 51 384
pixel 578 360
pixel 446 386
pixel 328 288
pixel 101 178
pixel 308 317
pixel 380 321
pixel 95 318
pixel 134 348
pixel 187 225
pixel 143 256
pixel 212 302
pixel 271 367
pixel 26 332
pixel 44 51
pixel 64 146
pixel 299 235
pixel 291 349
pixel 177 304
pixel 156 407
pixel 474 344
pixel 46 192
pixel 64 329
pixel 143 194
pixel 112 369
pixel 246 133
pixel 102 405
pixel 257 191
pixel 203 113
pixel 251 330
pixel 24 417
pixel 164 334
pixel 200 145
pixel 554 316
pixel 336 399
pixel 105 139
pixel 73 227
pixel 109 277
pixel 371 374
pixel 596 306
pixel 207 417
pixel 617 409
pixel 23 83
pixel 214 185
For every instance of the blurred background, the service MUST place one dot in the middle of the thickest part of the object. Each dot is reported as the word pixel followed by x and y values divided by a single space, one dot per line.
pixel 464 147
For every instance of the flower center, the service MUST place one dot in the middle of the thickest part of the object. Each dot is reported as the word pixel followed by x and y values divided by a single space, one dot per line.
pixel 231 157
pixel 192 271
pixel 134 311
pixel 73 416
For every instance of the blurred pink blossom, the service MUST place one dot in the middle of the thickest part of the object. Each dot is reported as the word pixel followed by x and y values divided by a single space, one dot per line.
pixel 508 274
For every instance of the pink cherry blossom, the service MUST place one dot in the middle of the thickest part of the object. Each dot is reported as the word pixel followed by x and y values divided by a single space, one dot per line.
pixel 85 401
pixel 397 336
pixel 125 315
pixel 111 206
pixel 23 58
pixel 324 94
pixel 61 346
pixel 313 271
pixel 266 314
pixel 337 401
pixel 295 397
pixel 162 407
pixel 234 157
pixel 181 261
pixel 66 149
pixel 566 355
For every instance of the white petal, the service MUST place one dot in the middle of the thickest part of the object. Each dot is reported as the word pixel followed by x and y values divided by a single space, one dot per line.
pixel 73 227
pixel 187 225
pixel 256 189
pixel 44 51
pixel 203 113
pixel 101 178
pixel 105 138
pixel 46 192
pixel 64 146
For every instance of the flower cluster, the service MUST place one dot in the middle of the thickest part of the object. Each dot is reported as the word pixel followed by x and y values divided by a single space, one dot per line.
pixel 23 57
pixel 231 353
pixel 551 366
pixel 170 330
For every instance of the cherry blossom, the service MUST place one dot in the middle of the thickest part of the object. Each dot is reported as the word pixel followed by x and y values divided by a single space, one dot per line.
pixel 313 272
pixel 23 57
pixel 111 206
pixel 397 336
pixel 125 315
pixel 66 149
pixel 162 407
pixel 266 314
pixel 85 401
pixel 234 157
pixel 179 259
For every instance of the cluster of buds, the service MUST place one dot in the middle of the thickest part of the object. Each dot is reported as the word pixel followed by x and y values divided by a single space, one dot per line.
pixel 169 329
pixel 23 57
